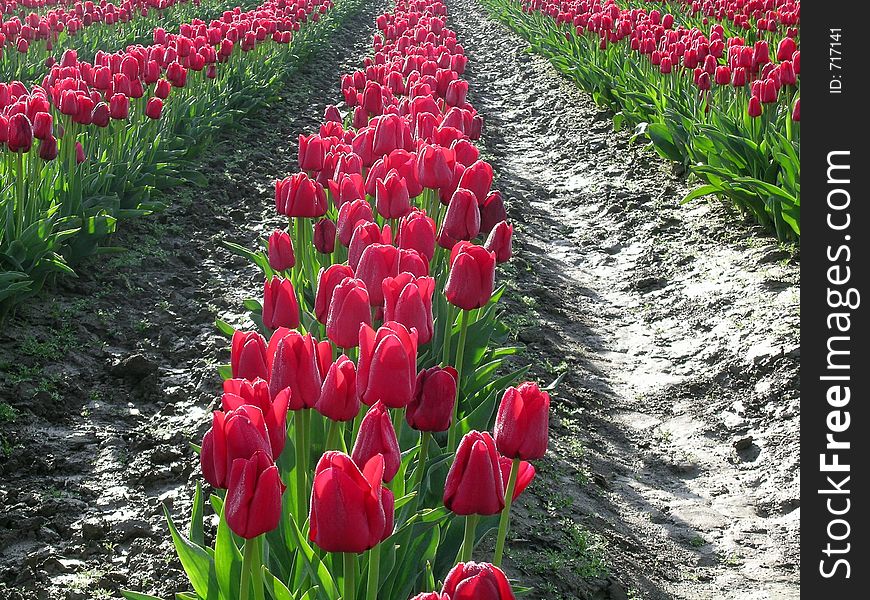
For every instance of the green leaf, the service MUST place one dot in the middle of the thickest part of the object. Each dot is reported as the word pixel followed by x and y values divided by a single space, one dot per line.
pixel 138 596
pixel 196 528
pixel 276 589
pixel 227 560
pixel 224 327
pixel 197 563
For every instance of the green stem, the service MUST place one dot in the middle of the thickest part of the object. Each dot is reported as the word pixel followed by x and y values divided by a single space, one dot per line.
pixel 468 541
pixel 349 576
pixel 332 435
pixel 251 570
pixel 398 419
pixel 460 358
pixel 301 466
pixel 504 521
pixel 374 572
pixel 448 328
pixel 21 189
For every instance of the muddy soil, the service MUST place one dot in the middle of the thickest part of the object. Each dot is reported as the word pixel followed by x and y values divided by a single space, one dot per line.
pixel 673 468
pixel 110 376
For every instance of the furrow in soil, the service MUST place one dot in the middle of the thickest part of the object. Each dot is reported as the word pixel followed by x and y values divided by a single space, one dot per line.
pixel 674 455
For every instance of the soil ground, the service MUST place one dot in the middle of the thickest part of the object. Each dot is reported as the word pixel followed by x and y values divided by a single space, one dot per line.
pixel 673 465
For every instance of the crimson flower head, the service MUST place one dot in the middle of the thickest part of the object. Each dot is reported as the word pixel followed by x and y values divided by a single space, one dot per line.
pixel 324 236
pixel 431 408
pixel 477 581
pixel 478 178
pixel 338 397
pixel 500 242
pixel 474 483
pixel 248 356
pixel 462 220
pixel 235 434
pixel 378 437
pixel 387 370
pixel 280 307
pixel 253 502
pixel 293 360
pixel 408 300
pixel 351 510
pixel 239 392
pixel 377 262
pixel 525 475
pixel 472 276
pixel 327 281
pixel 348 308
pixel 417 232
pixel 522 424
pixel 392 197
pixel 300 196
pixel 280 249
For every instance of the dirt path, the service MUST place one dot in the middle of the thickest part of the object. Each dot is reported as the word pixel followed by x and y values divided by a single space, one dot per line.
pixel 676 434
pixel 93 449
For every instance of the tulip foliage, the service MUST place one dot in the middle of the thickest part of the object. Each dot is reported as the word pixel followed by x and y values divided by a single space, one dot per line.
pixel 714 85
pixel 91 142
pixel 370 434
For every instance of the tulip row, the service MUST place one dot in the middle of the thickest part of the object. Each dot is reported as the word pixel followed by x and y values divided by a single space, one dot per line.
pixel 759 18
pixel 389 259
pixel 90 144
pixel 727 110
pixel 31 42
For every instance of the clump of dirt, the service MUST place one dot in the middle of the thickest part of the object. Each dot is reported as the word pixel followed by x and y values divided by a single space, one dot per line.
pixel 673 468
pixel 105 380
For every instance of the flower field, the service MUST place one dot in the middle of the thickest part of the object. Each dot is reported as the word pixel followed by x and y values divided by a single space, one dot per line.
pixel 340 299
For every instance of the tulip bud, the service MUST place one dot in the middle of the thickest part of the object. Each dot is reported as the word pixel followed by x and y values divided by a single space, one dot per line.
pixel 408 300
pixel 162 89
pixel 312 150
pixel 338 396
pixel 42 126
pixel 431 408
pixel 300 196
pixel 280 307
pixel 80 153
pixel 466 153
pixel 48 148
pixel 154 108
pixel 280 249
pixel 392 197
pixel 412 262
pixel 248 356
pixel 377 262
pixel 349 187
pixel 435 166
pixel 525 475
pixel 253 501
pixel 377 436
pixel 474 483
pixel 327 280
pixel 492 212
pixel 332 114
pixel 472 276
pixel 417 232
pixel 350 215
pixel 240 392
pixel 522 424
pixel 20 136
pixel 499 242
pixel 796 113
pixel 238 433
pixel 462 220
pixel 387 369
pixel 348 308
pixel 478 178
pixel 351 511
pixel 478 581
pixel 324 236
pixel 294 365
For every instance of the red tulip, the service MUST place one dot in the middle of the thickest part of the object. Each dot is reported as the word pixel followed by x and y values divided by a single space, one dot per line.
pixel 462 220
pixel 349 307
pixel 100 115
pixel 300 196
pixel 293 358
pixel 280 307
pixel 338 397
pixel 456 93
pixel 42 126
pixel 281 255
pixel 392 196
pixel 417 232
pixel 327 281
pixel 387 369
pixel 377 436
pixel 409 301
pixel 350 215
pixel 405 164
pixel 377 262
pixel 431 596
pixel 525 475
pixel 472 276
pixel 786 49
pixel 154 108
pixel 248 356
pixel 754 109
pixel 253 501
pixel 477 581
pixel 312 150
pixel 20 136
pixel 235 434
pixel 238 392
pixel 391 132
pixel 324 236
pixel 119 106
pixel 349 506
pixel 474 484
pixel 796 113
pixel 162 89
pixel 332 114
pixel 48 148
pixel 80 153
pixel 435 166
pixel 466 152
pixel 478 178
pixel 522 424
pixel 723 75
pixel 431 408
pixel 500 243
pixel 411 261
